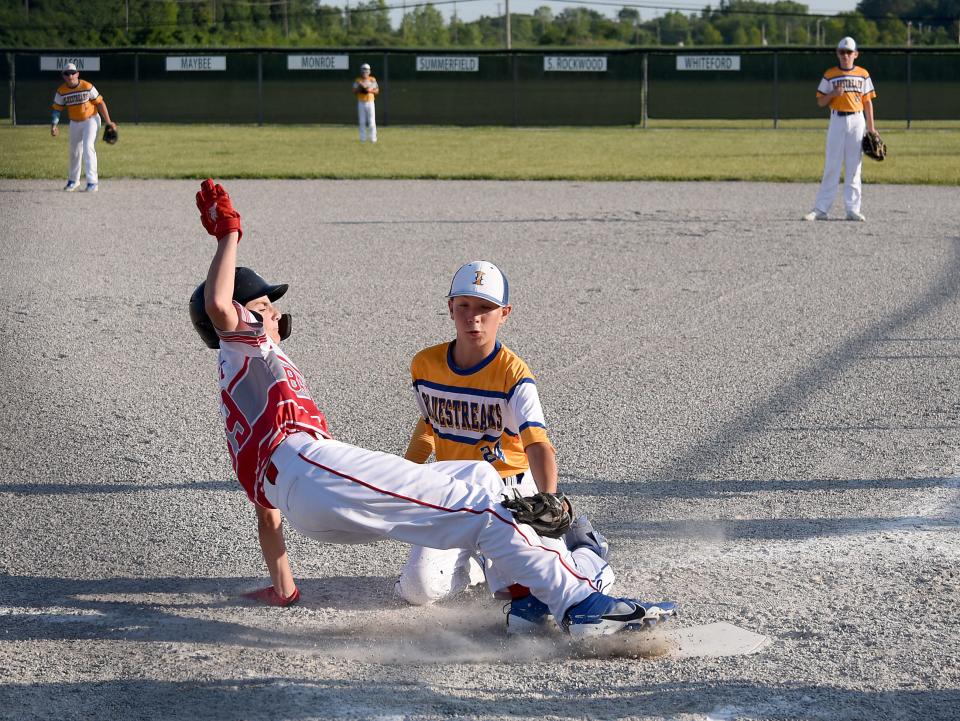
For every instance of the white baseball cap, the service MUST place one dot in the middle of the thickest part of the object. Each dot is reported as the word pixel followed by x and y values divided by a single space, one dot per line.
pixel 481 279
pixel 364 67
pixel 69 68
pixel 847 43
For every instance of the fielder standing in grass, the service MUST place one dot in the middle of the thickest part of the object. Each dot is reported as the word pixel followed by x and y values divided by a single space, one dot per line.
pixel 85 106
pixel 848 90
pixel 366 89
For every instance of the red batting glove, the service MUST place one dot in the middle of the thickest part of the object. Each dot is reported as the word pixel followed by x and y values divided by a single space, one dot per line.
pixel 217 213
pixel 271 598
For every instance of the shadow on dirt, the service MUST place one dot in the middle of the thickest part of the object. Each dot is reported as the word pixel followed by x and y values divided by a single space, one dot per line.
pixel 369 697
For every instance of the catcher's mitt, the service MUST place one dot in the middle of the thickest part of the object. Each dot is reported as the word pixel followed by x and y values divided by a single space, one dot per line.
pixel 110 134
pixel 873 146
pixel 545 513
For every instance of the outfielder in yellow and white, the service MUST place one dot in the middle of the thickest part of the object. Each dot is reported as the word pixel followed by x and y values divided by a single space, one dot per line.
pixel 848 90
pixel 366 89
pixel 478 401
pixel 85 106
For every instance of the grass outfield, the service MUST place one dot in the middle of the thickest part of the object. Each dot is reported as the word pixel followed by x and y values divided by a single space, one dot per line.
pixel 242 151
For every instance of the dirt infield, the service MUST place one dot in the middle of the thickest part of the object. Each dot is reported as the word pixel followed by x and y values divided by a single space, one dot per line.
pixel 760 413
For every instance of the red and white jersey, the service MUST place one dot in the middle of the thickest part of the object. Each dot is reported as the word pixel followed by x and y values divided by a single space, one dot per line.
pixel 263 399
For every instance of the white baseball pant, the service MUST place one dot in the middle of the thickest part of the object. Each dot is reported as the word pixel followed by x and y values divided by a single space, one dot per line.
pixel 338 493
pixel 431 575
pixel 367 116
pixel 83 135
pixel 844 139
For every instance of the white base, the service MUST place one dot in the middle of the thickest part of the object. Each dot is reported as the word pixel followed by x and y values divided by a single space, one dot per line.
pixel 714 639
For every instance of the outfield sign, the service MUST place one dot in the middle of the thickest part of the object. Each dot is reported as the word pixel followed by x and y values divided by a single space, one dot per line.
pixel 447 64
pixel 708 62
pixel 177 63
pixel 85 64
pixel 574 64
pixel 318 62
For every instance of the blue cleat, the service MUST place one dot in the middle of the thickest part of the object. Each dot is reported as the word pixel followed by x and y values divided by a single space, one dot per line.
pixel 601 615
pixel 70 186
pixel 91 188
pixel 528 615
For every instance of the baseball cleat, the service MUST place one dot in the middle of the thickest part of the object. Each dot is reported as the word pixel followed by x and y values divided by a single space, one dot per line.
pixel 528 615
pixel 854 215
pixel 815 215
pixel 91 188
pixel 70 186
pixel 601 615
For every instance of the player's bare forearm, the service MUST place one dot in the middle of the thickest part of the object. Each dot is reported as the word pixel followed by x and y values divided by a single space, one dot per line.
pixel 218 292
pixel 543 466
pixel 868 115
pixel 274 549
pixel 104 112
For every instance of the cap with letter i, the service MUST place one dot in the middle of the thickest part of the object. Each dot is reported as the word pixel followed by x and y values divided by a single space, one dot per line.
pixel 847 43
pixel 481 279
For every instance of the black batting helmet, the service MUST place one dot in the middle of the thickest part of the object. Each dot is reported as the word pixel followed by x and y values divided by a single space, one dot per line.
pixel 247 285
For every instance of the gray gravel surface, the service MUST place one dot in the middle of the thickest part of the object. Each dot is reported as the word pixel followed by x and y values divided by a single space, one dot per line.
pixel 761 414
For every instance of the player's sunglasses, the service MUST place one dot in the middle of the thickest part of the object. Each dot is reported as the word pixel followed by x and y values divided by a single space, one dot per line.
pixel 844 52
pixel 67 75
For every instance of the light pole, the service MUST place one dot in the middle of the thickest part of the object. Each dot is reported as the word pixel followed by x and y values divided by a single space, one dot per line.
pixel 509 34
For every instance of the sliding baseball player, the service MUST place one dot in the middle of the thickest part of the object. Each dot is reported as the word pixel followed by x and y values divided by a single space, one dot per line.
pixel 335 492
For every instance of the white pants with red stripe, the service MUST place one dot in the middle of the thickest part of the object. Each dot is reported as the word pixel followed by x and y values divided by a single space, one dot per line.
pixel 844 150
pixel 338 493
pixel 83 136
pixel 431 575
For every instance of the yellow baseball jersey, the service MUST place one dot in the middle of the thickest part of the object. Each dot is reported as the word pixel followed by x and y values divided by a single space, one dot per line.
pixel 489 412
pixel 370 82
pixel 80 101
pixel 857 87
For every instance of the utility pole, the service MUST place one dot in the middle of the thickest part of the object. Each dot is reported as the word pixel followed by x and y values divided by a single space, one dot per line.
pixel 509 34
pixel 909 27
pixel 126 7
pixel 454 23
pixel 819 20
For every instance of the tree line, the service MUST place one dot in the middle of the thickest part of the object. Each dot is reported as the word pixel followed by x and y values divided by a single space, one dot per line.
pixel 125 23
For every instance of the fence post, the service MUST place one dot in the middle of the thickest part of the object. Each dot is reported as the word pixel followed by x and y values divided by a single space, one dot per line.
pixel 909 88
pixel 13 88
pixel 136 88
pixel 644 93
pixel 260 89
pixel 513 68
pixel 776 90
pixel 386 85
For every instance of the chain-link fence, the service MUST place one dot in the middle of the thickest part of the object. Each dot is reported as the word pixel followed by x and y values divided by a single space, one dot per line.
pixel 522 88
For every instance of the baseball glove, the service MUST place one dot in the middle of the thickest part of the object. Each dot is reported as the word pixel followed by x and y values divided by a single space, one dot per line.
pixel 873 146
pixel 549 514
pixel 110 134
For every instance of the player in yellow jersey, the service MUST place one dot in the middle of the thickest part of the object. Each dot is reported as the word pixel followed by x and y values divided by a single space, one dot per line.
pixel 848 90
pixel 85 106
pixel 478 401
pixel 366 89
